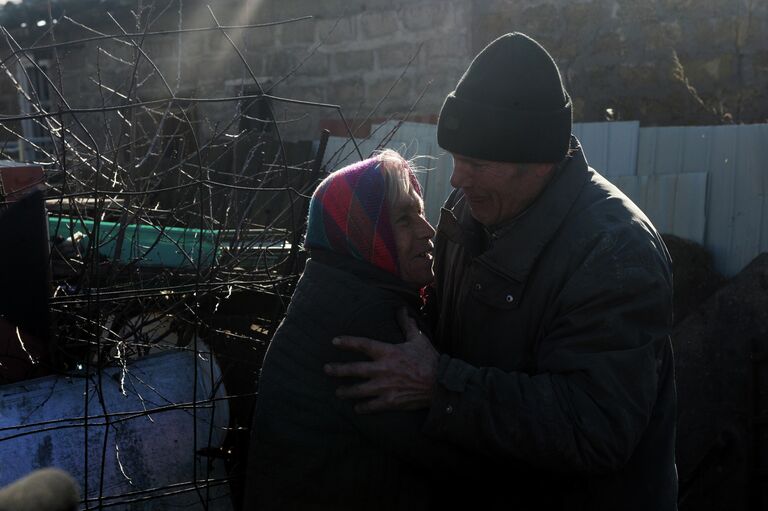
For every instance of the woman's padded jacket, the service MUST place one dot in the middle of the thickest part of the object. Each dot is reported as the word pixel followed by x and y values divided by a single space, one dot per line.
pixel 310 450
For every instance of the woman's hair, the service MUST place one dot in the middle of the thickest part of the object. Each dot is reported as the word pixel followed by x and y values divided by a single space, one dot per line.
pixel 350 211
pixel 402 184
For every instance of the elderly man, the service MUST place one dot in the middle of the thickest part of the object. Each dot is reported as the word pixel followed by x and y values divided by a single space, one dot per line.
pixel 554 294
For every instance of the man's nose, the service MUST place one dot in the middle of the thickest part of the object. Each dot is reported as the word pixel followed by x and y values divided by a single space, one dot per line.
pixel 460 175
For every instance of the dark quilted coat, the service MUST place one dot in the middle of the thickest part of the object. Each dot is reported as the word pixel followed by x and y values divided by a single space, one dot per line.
pixel 557 361
pixel 310 450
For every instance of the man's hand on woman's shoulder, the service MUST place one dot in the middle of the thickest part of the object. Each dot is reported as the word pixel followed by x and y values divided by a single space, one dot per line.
pixel 398 376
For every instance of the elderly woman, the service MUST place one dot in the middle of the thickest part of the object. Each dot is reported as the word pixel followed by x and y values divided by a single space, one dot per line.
pixel 370 255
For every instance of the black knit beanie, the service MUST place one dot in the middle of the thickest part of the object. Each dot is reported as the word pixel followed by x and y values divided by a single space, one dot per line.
pixel 510 105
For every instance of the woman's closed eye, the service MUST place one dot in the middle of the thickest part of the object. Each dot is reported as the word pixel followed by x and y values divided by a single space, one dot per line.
pixel 404 219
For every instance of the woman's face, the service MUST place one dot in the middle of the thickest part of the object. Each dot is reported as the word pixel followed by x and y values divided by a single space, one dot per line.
pixel 413 238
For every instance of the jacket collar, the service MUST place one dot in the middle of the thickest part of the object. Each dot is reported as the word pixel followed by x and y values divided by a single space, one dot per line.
pixel 366 272
pixel 514 248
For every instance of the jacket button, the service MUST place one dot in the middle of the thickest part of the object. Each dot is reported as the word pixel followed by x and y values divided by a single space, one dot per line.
pixel 449 409
pixel 510 298
pixel 478 287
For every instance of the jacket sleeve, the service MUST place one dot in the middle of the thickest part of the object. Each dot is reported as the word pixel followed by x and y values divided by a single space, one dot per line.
pixel 592 395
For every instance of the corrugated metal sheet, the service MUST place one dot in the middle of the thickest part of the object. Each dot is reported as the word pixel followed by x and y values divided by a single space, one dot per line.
pixel 675 203
pixel 708 184
pixel 743 169
pixel 610 146
pixel 736 228
pixel 674 150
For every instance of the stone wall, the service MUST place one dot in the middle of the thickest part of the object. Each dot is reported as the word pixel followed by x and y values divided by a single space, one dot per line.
pixel 663 62
pixel 376 59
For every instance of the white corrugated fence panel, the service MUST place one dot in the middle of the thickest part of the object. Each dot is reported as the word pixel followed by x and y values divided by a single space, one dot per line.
pixel 749 199
pixel 764 191
pixel 736 207
pixel 673 150
pixel 689 218
pixel 341 152
pixel 610 147
pixel 675 203
pixel 721 195
pixel 408 138
pixel 659 151
pixel 708 184
pixel 412 141
pixel 634 187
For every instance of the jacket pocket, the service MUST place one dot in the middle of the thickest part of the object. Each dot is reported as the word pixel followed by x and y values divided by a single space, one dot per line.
pixel 492 289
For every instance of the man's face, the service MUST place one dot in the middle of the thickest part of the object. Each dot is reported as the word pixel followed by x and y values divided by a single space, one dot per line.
pixel 498 191
pixel 413 238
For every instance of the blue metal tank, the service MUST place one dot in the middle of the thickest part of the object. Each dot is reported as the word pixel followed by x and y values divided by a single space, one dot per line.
pixel 146 422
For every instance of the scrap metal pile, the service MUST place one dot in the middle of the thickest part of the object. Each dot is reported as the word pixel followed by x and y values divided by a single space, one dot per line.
pixel 148 252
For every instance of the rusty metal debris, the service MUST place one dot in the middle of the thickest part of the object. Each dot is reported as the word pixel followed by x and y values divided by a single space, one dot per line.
pixel 168 231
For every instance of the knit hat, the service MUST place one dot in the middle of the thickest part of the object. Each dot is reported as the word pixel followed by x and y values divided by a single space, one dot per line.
pixel 350 214
pixel 510 105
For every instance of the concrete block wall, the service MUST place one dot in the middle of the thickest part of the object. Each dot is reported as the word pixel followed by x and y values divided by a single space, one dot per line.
pixel 374 58
pixel 377 59
pixel 662 62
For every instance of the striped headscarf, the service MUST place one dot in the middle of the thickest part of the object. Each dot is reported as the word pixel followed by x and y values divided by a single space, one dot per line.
pixel 350 214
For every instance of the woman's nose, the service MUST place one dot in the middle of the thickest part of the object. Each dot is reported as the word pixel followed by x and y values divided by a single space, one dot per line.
pixel 427 230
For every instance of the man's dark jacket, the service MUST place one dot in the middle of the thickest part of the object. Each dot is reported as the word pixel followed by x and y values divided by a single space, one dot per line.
pixel 557 361
pixel 310 450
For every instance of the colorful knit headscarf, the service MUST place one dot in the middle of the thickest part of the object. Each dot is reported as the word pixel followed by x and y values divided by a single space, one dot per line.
pixel 349 214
